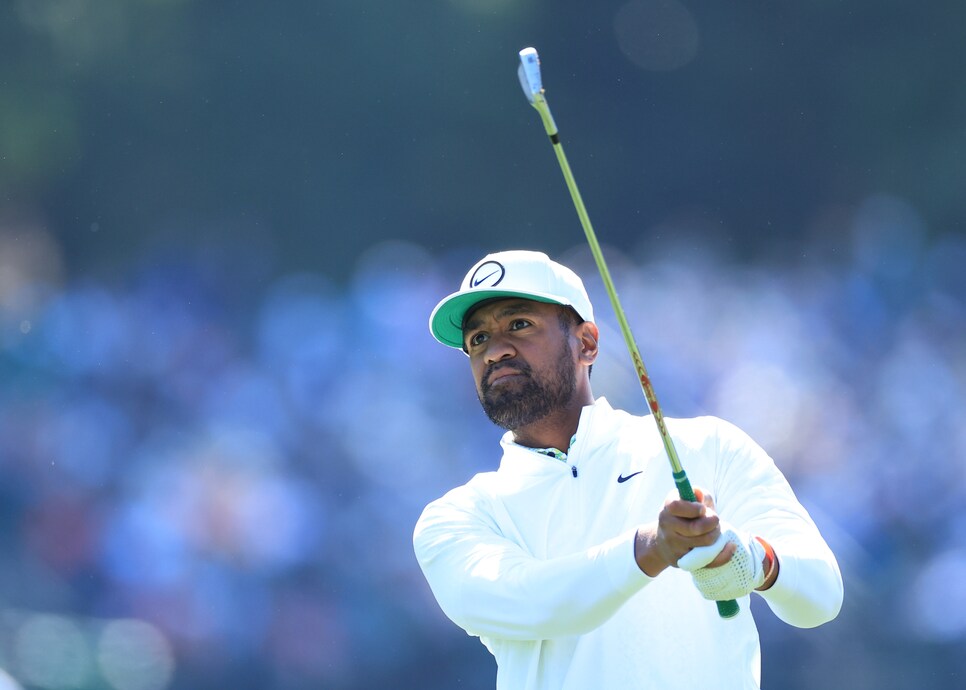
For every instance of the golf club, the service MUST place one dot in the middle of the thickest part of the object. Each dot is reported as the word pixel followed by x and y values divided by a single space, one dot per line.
pixel 532 84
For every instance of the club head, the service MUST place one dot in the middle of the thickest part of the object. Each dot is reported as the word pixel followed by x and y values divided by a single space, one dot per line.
pixel 529 74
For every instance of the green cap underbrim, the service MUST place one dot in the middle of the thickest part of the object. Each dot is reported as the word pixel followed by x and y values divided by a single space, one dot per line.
pixel 446 321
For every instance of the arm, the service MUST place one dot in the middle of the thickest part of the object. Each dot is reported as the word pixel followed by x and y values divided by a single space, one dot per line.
pixel 488 585
pixel 755 496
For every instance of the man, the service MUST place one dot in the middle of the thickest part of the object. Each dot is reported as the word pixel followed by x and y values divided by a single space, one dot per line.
pixel 568 561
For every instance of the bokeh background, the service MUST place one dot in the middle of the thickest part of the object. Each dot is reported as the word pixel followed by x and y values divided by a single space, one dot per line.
pixel 223 226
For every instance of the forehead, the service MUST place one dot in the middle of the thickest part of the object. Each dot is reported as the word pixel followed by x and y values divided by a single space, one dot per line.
pixel 504 308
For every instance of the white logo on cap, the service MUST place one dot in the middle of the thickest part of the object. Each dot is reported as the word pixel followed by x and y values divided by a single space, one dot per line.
pixel 492 273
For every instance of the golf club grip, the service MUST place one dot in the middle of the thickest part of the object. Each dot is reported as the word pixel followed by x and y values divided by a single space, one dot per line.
pixel 728 608
pixel 684 486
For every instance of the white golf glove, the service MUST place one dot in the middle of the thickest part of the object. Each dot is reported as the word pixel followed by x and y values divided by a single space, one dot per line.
pixel 736 578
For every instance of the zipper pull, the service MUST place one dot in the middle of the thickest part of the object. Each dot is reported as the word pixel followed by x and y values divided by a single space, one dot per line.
pixel 573 469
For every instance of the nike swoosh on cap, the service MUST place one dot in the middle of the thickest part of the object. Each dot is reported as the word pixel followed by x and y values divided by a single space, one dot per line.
pixel 489 275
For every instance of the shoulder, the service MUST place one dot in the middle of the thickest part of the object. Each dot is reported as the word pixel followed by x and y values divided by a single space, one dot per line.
pixel 702 433
pixel 708 433
pixel 703 427
pixel 472 496
pixel 466 509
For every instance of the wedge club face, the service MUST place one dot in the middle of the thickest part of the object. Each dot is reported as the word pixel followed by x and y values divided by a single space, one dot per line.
pixel 529 73
pixel 532 84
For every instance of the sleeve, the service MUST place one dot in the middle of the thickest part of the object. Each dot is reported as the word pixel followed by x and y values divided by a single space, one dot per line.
pixel 753 494
pixel 490 586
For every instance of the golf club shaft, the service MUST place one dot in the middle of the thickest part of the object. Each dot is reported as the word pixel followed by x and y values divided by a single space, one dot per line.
pixel 726 609
pixel 680 478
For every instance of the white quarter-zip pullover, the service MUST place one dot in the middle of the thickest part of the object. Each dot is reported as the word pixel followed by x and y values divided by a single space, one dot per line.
pixel 537 559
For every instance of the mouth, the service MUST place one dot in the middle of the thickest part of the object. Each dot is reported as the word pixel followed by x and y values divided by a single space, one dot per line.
pixel 502 376
pixel 500 379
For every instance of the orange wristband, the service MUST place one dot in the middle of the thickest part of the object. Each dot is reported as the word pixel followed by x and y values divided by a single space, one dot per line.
pixel 770 557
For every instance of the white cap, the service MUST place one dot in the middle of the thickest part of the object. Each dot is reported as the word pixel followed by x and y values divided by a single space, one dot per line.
pixel 517 273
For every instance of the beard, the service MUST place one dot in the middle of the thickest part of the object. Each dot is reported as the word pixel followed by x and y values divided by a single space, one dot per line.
pixel 531 399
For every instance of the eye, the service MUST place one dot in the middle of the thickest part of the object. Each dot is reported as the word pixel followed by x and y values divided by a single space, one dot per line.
pixel 517 324
pixel 477 338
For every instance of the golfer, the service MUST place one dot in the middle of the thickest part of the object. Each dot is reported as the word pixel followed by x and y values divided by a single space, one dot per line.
pixel 574 562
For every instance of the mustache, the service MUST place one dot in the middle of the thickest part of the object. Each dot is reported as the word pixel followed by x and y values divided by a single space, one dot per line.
pixel 519 367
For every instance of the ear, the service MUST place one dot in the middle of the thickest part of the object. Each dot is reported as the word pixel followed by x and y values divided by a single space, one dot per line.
pixel 587 335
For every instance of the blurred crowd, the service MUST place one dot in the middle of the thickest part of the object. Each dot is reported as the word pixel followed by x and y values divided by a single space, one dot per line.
pixel 209 474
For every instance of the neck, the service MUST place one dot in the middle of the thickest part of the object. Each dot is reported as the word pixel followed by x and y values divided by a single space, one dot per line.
pixel 553 431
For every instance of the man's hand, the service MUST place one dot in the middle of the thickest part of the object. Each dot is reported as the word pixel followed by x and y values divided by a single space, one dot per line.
pixel 741 574
pixel 681 526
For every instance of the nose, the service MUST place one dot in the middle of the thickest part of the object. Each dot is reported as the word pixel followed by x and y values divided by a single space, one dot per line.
pixel 498 348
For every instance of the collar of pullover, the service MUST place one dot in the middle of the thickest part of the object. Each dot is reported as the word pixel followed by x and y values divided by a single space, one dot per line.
pixel 523 460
